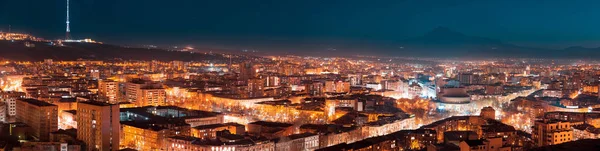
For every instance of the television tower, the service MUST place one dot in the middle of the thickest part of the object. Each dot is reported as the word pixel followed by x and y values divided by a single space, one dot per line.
pixel 68 34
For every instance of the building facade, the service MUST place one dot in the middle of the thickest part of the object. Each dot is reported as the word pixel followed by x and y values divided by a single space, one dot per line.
pixel 98 125
pixel 41 116
pixel 551 132
pixel 108 90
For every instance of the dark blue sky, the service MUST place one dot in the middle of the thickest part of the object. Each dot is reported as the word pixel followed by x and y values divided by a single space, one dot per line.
pixel 540 23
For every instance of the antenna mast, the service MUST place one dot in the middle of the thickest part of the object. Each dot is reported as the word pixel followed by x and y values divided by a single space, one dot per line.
pixel 68 33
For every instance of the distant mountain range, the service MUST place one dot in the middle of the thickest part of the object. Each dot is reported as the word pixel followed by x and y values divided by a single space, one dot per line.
pixel 440 42
pixel 444 42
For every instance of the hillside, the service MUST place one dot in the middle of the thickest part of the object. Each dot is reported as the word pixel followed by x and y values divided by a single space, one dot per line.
pixel 72 51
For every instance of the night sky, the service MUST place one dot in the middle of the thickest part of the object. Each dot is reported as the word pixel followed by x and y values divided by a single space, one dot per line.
pixel 536 23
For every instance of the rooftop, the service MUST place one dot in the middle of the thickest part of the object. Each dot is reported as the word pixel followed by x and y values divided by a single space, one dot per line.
pixel 302 135
pixel 496 126
pixel 271 124
pixel 550 121
pixel 459 135
pixel 65 100
pixel 74 112
pixel 96 103
pixel 37 102
pixel 474 142
pixel 211 126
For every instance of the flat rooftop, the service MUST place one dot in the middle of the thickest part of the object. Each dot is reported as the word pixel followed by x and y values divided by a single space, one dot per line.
pixel 37 102
pixel 271 124
pixel 96 103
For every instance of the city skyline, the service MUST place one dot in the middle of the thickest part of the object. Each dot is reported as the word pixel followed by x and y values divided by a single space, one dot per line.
pixel 236 75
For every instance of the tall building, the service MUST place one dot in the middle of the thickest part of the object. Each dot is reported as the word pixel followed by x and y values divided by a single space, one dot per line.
pixel 298 142
pixel 355 79
pixel 41 116
pixel 247 71
pixel 466 78
pixel 255 87
pixel 393 85
pixel 329 86
pixel 98 125
pixel 10 98
pixel 272 81
pixel 108 91
pixel 152 97
pixel 314 88
pixel 178 65
pixel 132 89
pixel 336 86
pixel 144 93
pixel 551 132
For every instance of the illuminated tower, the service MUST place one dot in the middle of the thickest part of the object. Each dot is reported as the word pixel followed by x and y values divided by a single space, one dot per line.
pixel 68 34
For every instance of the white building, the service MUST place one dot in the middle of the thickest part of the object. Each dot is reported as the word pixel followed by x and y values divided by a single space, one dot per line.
pixel 298 142
pixel 10 98
pixel 374 86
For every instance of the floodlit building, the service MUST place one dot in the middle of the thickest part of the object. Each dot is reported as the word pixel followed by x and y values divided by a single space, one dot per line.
pixel 551 132
pixel 41 116
pixel 10 98
pixel 98 125
pixel 108 90
pixel 144 93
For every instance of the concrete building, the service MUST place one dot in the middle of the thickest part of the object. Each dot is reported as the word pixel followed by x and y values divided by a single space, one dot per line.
pixel 144 93
pixel 10 98
pixel 41 116
pixel 108 91
pixel 210 131
pixel 255 87
pixel 247 71
pixel 355 79
pixel 152 97
pixel 374 86
pixel 466 78
pixel 147 128
pixel 298 142
pixel 551 132
pixel 98 125
pixel 228 142
pixel 150 136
